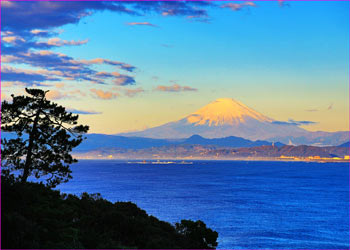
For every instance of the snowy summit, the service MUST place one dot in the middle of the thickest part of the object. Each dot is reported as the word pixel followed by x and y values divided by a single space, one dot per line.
pixel 225 111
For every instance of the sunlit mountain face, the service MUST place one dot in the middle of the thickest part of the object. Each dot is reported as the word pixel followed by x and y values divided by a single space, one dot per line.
pixel 228 117
pixel 225 111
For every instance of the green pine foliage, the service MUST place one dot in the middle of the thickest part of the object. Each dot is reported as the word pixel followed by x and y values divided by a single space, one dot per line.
pixel 45 135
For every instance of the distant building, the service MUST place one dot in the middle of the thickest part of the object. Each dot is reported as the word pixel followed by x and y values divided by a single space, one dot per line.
pixel 286 157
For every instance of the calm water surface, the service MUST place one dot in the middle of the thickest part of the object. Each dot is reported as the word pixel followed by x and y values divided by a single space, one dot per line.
pixel 250 204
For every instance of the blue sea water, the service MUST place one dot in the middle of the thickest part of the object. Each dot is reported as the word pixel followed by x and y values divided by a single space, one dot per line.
pixel 251 204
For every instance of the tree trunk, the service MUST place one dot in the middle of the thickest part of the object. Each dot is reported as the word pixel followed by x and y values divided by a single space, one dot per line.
pixel 32 136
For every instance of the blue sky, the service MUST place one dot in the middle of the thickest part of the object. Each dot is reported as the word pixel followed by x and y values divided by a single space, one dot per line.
pixel 289 62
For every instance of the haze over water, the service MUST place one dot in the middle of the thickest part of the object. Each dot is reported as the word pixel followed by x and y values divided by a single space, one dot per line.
pixel 250 204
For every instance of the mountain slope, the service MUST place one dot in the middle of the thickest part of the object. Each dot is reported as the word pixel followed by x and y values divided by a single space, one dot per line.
pixel 225 111
pixel 221 118
pixel 226 117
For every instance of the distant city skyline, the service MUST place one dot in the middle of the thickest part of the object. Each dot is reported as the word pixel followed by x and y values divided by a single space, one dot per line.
pixel 128 66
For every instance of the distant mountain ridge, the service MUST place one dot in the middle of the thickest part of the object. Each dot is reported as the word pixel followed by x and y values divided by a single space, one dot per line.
pixel 191 151
pixel 231 141
pixel 227 117
pixel 95 141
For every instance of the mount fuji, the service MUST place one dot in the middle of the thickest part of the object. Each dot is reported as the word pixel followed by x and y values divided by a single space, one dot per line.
pixel 227 117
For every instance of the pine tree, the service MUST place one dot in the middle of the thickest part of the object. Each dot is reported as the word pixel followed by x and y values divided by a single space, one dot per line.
pixel 45 134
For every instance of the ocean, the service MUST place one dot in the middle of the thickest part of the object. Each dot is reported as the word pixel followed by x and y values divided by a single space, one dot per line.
pixel 251 204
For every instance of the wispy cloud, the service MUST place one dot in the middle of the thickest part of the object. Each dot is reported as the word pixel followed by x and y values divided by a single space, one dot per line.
pixel 15 44
pixel 57 42
pixel 292 122
pixel 59 85
pixel 5 84
pixel 283 3
pixel 55 95
pixel 105 95
pixel 75 93
pixel 122 65
pixel 29 77
pixel 60 66
pixel 30 32
pixel 174 88
pixel 133 92
pixel 141 24
pixel 238 6
pixel 12 39
pixel 166 45
pixel 24 29
pixel 124 80
pixel 311 110
pixel 24 16
pixel 118 79
pixel 54 60
pixel 43 33
pixel 187 88
pixel 83 112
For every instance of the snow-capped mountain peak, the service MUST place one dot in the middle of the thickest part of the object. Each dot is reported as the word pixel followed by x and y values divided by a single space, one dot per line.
pixel 226 117
pixel 225 111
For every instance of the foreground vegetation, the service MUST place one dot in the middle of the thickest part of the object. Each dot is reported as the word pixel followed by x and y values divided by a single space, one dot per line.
pixel 35 216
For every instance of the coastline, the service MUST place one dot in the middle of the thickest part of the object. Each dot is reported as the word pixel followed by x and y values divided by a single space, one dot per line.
pixel 289 159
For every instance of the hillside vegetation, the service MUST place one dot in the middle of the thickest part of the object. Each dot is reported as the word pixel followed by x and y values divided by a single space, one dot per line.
pixel 35 216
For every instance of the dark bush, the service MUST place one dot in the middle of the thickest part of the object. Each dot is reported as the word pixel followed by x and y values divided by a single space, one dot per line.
pixel 34 216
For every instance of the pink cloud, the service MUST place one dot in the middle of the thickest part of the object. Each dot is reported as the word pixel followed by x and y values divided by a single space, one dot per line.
pixel 38 31
pixel 122 65
pixel 5 97
pixel 187 88
pixel 118 79
pixel 174 88
pixel 238 6
pixel 75 93
pixel 8 58
pixel 57 42
pixel 133 92
pixel 142 24
pixel 5 84
pixel 55 95
pixel 59 85
pixel 12 39
pixel 105 95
